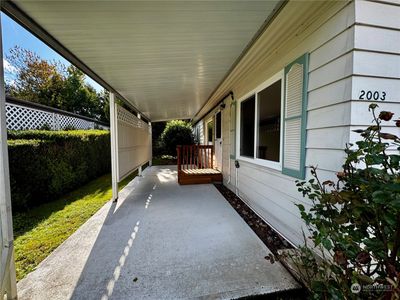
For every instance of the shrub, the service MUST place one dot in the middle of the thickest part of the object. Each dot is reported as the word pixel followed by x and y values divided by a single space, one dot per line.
pixel 176 133
pixel 46 164
pixel 356 219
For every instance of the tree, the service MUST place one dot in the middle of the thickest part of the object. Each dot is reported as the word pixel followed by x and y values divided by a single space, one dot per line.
pixel 54 84
pixel 176 132
pixel 37 80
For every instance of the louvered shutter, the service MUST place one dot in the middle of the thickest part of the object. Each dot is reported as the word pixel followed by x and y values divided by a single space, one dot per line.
pixel 295 118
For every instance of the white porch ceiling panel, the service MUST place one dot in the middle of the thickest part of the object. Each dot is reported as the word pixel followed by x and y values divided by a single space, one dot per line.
pixel 165 57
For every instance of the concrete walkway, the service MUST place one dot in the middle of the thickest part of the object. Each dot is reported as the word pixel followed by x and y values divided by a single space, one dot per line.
pixel 160 241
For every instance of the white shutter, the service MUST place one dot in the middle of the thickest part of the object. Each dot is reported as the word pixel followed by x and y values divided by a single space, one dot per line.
pixel 294 123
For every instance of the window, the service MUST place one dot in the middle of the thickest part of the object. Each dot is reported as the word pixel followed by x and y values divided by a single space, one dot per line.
pixel 218 125
pixel 259 123
pixel 247 109
pixel 269 127
pixel 271 131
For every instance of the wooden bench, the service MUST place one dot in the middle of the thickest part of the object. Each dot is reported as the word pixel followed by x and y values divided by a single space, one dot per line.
pixel 196 164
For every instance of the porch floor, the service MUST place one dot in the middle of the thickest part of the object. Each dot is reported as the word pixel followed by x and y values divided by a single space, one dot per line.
pixel 159 241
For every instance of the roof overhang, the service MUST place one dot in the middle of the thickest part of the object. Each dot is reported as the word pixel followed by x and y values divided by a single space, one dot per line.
pixel 165 58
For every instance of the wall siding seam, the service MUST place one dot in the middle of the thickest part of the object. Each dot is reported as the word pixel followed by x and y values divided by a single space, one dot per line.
pixel 316 49
pixel 375 51
pixel 331 126
pixel 325 149
pixel 376 26
pixel 266 221
pixel 292 198
pixel 334 81
pixel 323 169
pixel 332 60
pixel 375 76
pixel 383 2
pixel 329 105
pixel 278 204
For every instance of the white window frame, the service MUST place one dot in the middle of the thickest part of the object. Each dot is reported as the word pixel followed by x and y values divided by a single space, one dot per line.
pixel 258 161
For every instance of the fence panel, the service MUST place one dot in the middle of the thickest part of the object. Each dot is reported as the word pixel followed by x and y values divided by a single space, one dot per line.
pixel 133 142
pixel 21 115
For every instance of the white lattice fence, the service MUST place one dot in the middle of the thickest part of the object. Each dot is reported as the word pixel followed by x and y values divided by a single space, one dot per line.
pixel 21 117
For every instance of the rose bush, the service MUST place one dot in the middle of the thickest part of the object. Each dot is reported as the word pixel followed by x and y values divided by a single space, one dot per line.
pixel 354 221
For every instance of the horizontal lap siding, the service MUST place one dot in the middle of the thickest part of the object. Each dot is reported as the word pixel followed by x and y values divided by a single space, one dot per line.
pixel 328 35
pixel 376 61
pixel 273 195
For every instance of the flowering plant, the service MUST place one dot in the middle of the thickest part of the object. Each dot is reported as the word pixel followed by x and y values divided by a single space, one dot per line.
pixel 356 219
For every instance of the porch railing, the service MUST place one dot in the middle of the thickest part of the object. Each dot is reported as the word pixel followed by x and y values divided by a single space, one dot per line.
pixel 195 157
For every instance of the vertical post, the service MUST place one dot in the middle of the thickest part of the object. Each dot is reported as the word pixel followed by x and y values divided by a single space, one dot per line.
pixel 178 154
pixel 150 145
pixel 7 268
pixel 140 171
pixel 114 147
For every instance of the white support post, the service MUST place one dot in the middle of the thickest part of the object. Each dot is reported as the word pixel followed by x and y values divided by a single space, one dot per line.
pixel 151 146
pixel 114 147
pixel 140 171
pixel 7 267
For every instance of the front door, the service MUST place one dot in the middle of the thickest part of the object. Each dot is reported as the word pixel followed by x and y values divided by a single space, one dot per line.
pixel 218 140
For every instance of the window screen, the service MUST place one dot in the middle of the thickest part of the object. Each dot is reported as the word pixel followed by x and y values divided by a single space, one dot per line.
pixel 269 118
pixel 247 114
pixel 218 125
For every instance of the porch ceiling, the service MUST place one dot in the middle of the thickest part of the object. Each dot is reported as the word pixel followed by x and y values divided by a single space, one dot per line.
pixel 165 57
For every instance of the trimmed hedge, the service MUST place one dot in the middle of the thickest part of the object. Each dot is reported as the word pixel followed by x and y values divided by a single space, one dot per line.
pixel 47 164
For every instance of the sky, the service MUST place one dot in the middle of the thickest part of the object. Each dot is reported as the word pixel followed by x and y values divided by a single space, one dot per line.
pixel 14 34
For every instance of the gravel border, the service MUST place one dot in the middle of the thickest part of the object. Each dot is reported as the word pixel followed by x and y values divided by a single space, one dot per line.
pixel 269 236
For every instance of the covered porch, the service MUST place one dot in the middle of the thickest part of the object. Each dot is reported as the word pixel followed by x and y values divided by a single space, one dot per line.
pixel 156 239
pixel 160 240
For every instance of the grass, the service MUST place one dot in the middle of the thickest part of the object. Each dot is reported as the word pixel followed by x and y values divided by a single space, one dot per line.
pixel 42 229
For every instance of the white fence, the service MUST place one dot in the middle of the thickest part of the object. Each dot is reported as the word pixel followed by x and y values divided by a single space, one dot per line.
pixel 133 142
pixel 27 115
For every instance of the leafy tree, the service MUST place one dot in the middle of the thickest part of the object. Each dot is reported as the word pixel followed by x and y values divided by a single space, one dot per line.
pixel 37 80
pixel 55 85
pixel 176 132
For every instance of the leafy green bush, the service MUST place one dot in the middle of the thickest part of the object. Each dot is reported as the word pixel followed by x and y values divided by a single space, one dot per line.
pixel 355 221
pixel 46 164
pixel 176 133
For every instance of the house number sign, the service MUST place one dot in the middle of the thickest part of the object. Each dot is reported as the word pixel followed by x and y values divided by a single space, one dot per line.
pixel 372 95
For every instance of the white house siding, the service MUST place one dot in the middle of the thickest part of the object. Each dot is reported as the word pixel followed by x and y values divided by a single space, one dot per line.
pixel 376 61
pixel 343 59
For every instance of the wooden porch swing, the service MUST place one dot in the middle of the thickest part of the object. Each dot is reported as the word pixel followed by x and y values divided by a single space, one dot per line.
pixel 196 164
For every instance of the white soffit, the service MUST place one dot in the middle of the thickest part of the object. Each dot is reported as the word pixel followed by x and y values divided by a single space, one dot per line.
pixel 165 57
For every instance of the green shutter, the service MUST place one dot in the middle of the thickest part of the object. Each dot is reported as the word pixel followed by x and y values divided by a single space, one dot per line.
pixel 295 117
pixel 233 130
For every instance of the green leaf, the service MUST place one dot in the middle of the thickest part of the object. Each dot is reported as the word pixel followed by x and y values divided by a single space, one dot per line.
pixel 390 219
pixel 327 244
pixel 300 207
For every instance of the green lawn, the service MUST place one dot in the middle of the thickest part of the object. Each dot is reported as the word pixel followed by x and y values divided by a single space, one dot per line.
pixel 38 232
